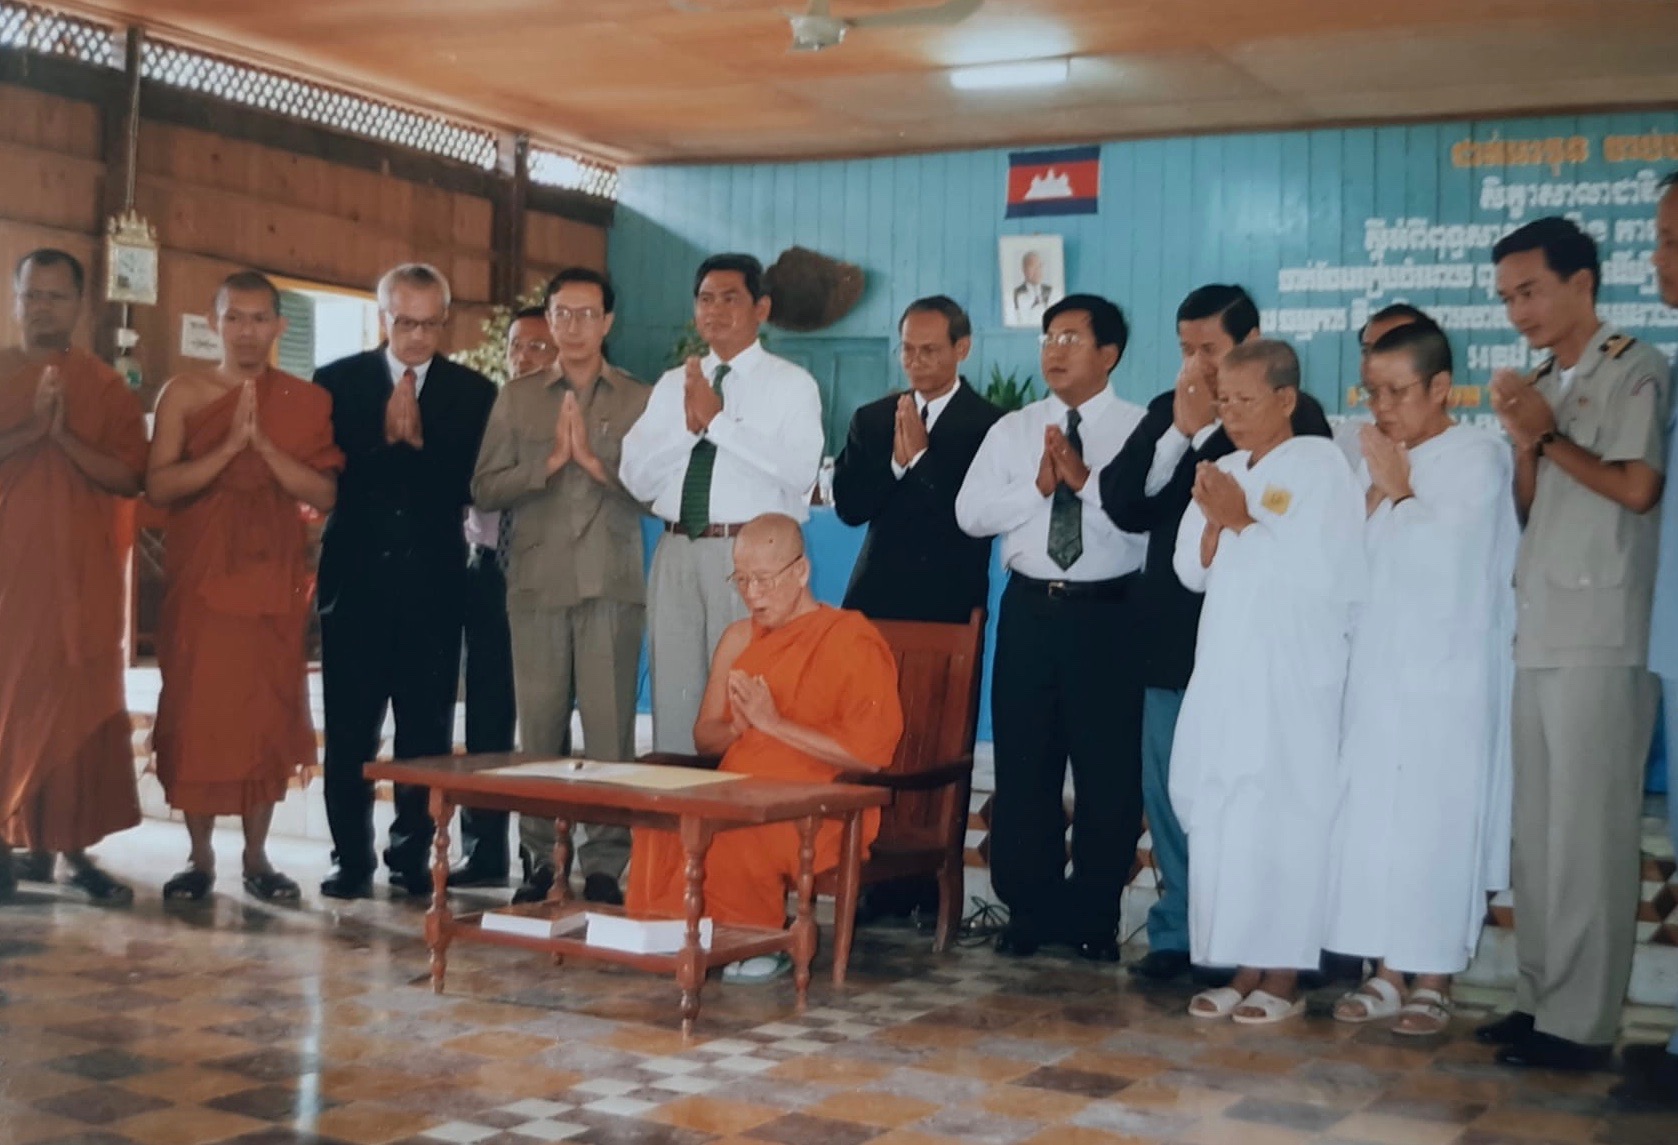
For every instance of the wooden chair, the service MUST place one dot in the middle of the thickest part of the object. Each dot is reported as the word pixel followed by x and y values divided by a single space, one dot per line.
pixel 923 831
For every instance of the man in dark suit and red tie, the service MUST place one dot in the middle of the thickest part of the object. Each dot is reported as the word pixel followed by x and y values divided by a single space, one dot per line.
pixel 392 584
pixel 900 470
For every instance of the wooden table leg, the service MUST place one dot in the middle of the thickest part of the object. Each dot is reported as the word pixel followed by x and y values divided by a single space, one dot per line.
pixel 844 904
pixel 690 967
pixel 560 891
pixel 804 929
pixel 439 923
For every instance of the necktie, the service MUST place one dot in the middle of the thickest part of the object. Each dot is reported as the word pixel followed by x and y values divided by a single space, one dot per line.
pixel 1066 514
pixel 695 511
pixel 504 540
pixel 926 411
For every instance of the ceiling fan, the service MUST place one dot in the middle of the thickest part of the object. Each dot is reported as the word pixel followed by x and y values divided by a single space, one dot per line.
pixel 817 28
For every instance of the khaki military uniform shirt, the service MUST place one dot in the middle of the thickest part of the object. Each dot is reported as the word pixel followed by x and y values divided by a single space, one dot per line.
pixel 1587 564
pixel 573 539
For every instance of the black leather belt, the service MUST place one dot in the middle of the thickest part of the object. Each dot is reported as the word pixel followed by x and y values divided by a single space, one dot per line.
pixel 1114 589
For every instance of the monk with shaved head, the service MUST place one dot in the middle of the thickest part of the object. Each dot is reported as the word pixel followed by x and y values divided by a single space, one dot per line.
pixel 798 691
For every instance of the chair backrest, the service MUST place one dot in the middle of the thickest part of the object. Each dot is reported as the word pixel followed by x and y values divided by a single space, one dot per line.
pixel 938 686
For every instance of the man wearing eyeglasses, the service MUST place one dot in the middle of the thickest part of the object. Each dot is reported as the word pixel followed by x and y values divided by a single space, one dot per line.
pixel 490 709
pixel 1066 680
pixel 576 594
pixel 726 438
pixel 392 584
pixel 1146 489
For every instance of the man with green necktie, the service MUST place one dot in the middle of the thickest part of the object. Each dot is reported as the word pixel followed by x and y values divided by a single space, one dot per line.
pixel 725 438
pixel 1066 684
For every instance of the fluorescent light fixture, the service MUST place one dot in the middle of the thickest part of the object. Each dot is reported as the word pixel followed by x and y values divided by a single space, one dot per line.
pixel 1027 73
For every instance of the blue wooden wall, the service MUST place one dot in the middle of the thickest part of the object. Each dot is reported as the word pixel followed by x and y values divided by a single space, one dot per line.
pixel 1174 213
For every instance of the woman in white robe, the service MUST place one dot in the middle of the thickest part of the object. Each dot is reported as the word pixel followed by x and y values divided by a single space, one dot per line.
pixel 1274 538
pixel 1422 830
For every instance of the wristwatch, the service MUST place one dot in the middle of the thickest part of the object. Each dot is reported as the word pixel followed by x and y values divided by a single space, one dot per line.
pixel 1544 439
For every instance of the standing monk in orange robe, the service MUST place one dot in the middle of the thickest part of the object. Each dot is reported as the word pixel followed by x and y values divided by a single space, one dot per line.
pixel 798 691
pixel 236 449
pixel 72 444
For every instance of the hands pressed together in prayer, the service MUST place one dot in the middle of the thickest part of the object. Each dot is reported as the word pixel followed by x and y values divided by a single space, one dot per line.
pixel 246 430
pixel 48 419
pixel 909 438
pixel 699 400
pixel 1193 406
pixel 571 441
pixel 750 703
pixel 1060 464
pixel 1524 413
pixel 402 416
pixel 1389 467
pixel 1220 498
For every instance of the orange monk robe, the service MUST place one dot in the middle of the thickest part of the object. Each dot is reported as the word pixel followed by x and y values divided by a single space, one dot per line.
pixel 66 748
pixel 233 718
pixel 831 671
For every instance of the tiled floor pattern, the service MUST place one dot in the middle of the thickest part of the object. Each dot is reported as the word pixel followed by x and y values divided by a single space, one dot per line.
pixel 233 1021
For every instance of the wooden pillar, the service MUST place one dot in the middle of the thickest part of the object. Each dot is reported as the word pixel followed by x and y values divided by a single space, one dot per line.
pixel 119 122
pixel 512 193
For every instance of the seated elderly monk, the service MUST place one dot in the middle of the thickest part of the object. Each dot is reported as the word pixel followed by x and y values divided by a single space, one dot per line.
pixel 798 691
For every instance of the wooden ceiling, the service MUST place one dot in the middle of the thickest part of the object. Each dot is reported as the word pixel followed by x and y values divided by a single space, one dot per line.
pixel 709 80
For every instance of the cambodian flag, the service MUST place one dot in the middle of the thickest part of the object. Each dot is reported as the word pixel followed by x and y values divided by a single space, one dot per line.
pixel 1066 181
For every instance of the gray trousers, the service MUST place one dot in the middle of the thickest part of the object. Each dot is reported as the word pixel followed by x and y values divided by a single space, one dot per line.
pixel 1581 739
pixel 691 603
pixel 589 656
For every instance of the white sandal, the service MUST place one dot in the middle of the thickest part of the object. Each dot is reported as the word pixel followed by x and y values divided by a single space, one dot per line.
pixel 1429 1004
pixel 1223 1001
pixel 1378 997
pixel 1271 1009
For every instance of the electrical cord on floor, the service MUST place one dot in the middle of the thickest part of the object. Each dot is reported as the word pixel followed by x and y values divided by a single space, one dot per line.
pixel 983 925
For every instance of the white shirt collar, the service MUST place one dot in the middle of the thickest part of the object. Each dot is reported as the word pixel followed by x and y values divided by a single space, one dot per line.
pixel 929 410
pixel 741 361
pixel 397 368
pixel 1092 408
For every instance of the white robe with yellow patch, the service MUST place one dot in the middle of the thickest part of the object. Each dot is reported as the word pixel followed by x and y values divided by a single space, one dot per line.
pixel 1254 764
pixel 1422 831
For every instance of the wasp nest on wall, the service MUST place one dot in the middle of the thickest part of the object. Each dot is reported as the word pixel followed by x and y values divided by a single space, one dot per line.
pixel 810 291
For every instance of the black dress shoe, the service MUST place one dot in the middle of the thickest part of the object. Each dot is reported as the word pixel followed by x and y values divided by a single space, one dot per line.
pixel 536 886
pixel 602 888
pixel 1651 1079
pixel 1507 1030
pixel 1016 942
pixel 467 875
pixel 1161 965
pixel 342 884
pixel 1099 949
pixel 1546 1051
pixel 1645 1057
pixel 415 881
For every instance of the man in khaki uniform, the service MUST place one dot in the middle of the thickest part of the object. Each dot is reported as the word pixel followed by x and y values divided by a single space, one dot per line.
pixel 1589 435
pixel 576 593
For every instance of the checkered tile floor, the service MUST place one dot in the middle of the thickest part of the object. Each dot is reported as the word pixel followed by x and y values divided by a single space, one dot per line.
pixel 236 1022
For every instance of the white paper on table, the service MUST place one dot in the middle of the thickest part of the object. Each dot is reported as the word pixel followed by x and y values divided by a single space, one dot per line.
pixel 648 776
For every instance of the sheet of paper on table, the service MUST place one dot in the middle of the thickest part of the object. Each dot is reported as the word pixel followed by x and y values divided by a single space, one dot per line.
pixel 649 776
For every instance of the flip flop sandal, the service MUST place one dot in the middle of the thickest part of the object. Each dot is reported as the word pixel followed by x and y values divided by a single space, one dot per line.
pixel 271 886
pixel 1429 1005
pixel 191 884
pixel 1222 1001
pixel 100 887
pixel 1378 997
pixel 1271 1009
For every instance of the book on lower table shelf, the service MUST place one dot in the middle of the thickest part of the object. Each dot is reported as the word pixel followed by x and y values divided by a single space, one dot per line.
pixel 607 931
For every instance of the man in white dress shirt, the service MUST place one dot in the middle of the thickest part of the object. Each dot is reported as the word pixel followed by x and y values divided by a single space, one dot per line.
pixel 1274 539
pixel 725 438
pixel 1066 682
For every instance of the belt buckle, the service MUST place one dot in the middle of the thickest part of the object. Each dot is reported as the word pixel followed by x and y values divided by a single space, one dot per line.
pixel 1056 587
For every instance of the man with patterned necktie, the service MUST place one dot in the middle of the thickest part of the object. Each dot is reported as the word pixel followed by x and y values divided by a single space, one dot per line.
pixel 1067 683
pixel 725 438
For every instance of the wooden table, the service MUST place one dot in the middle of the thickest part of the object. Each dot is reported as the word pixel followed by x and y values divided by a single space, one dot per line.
pixel 695 814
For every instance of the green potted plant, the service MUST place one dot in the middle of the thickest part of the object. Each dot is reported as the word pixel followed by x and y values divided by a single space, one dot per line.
pixel 1009 391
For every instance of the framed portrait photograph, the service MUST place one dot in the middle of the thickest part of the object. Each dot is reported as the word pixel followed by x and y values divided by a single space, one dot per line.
pixel 1033 278
pixel 131 254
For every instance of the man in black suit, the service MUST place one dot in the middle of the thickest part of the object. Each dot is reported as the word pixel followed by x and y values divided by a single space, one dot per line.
pixel 903 463
pixel 900 470
pixel 1145 489
pixel 392 586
